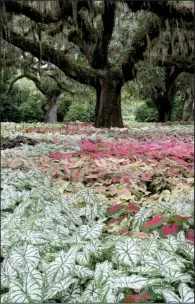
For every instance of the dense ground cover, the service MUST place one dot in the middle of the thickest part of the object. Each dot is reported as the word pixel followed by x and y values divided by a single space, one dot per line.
pixel 89 206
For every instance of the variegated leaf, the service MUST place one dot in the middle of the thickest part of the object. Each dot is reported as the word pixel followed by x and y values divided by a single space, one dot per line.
pixel 24 254
pixel 59 287
pixel 90 233
pixel 59 269
pixel 127 252
pixel 83 272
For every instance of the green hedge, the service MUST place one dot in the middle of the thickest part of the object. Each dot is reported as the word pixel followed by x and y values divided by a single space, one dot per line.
pixel 80 111
pixel 146 114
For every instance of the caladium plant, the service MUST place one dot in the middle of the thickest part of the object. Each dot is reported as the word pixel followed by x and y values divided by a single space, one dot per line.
pixel 56 250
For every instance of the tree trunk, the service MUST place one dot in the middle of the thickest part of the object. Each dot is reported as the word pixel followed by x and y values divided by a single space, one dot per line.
pixel 188 112
pixel 164 106
pixel 108 104
pixel 50 113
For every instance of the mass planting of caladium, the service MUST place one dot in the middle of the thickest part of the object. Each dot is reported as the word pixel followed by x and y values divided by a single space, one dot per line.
pixel 58 249
pixel 92 215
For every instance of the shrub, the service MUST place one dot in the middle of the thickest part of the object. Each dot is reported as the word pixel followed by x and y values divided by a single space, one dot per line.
pixel 80 111
pixel 146 114
pixel 10 104
pixel 31 110
pixel 177 110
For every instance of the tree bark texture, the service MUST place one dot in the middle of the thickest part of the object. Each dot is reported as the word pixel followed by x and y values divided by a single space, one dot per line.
pixel 108 104
pixel 50 113
pixel 188 111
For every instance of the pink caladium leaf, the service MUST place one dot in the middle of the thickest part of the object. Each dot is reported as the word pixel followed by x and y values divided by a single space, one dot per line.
pixel 136 298
pixel 155 222
pixel 114 208
pixel 132 207
pixel 190 235
pixel 168 229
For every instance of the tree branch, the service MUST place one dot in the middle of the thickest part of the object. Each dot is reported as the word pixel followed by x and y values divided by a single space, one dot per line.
pixel 35 15
pixel 72 69
pixel 165 9
pixel 184 64
pixel 100 54
pixel 150 29
pixel 14 81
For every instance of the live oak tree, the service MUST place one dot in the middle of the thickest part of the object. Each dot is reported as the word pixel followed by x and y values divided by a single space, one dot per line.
pixel 48 80
pixel 166 58
pixel 89 26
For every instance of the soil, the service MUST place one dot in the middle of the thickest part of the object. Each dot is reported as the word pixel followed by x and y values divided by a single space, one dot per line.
pixel 7 143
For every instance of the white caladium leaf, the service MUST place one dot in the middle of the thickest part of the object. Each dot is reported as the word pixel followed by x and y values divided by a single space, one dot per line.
pixel 8 273
pixel 91 293
pixel 72 294
pixel 91 212
pixel 59 287
pixel 24 254
pixel 92 246
pixel 170 296
pixel 187 249
pixel 89 196
pixel 25 292
pixel 33 237
pixel 170 244
pixel 174 276
pixel 140 217
pixel 5 298
pixel 149 246
pixel 165 259
pixel 107 294
pixel 127 252
pixel 64 262
pixel 103 271
pixel 181 236
pixel 149 261
pixel 83 272
pixel 133 282
pixel 90 233
pixel 186 295
pixel 83 258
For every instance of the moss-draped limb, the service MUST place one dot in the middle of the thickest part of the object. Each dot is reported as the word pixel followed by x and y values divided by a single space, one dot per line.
pixel 100 54
pixel 82 73
pixel 165 9
pixel 34 14
pixel 184 64
pixel 151 29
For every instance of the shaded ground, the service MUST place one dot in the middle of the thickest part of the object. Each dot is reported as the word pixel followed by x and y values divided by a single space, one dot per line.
pixel 9 143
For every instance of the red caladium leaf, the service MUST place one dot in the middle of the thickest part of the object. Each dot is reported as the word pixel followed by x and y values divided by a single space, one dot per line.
pixel 137 298
pixel 124 230
pixel 58 155
pixel 179 219
pixel 167 229
pixel 156 221
pixel 146 177
pixel 190 235
pixel 114 208
pixel 132 207
pixel 121 218
pixel 112 221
